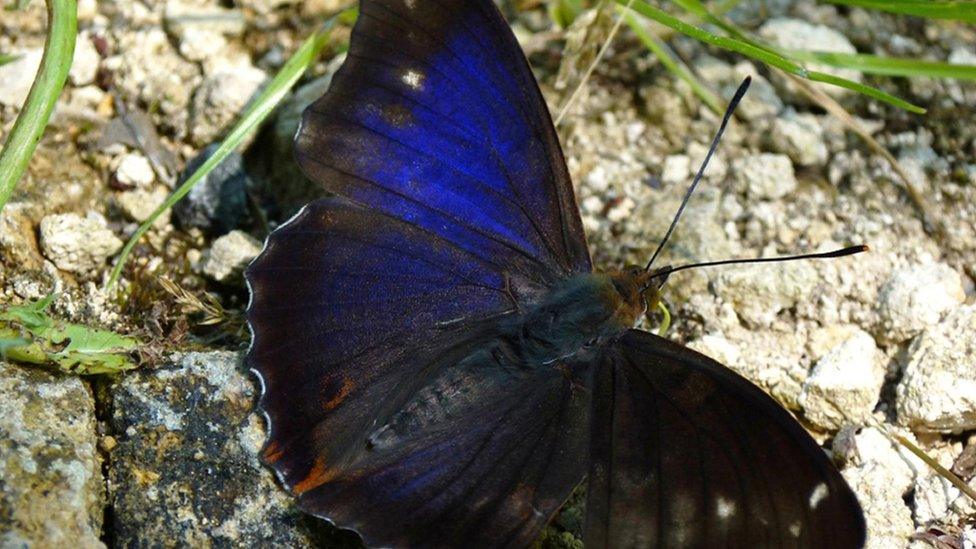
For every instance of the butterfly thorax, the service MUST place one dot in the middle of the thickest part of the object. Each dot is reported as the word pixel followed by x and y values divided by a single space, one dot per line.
pixel 575 315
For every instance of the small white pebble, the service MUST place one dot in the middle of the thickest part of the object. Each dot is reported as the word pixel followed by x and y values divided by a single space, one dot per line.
pixel 766 176
pixel 134 169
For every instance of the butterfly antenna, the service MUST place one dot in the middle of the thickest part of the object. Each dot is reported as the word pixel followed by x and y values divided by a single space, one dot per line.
pixel 739 93
pixel 596 61
pixel 850 250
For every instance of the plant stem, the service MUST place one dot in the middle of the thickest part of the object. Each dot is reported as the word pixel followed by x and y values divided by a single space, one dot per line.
pixel 59 49
pixel 252 117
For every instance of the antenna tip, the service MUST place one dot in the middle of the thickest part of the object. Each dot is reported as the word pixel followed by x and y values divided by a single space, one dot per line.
pixel 850 250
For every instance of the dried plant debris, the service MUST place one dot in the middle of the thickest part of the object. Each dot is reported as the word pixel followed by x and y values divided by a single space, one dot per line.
pixel 28 334
pixel 205 307
pixel 136 130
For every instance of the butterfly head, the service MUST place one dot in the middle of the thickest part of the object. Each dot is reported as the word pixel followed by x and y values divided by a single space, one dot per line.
pixel 640 288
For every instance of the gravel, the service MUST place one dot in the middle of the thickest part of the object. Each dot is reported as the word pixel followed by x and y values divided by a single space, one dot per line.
pixel 881 475
pixel 915 298
pixel 765 176
pixel 17 239
pixel 148 68
pixel 51 489
pixel 799 136
pixel 786 179
pixel 219 100
pixel 797 34
pixel 139 204
pixel 84 64
pixel 134 169
pixel 17 76
pixel 845 384
pixel 78 244
pixel 226 259
pixel 937 392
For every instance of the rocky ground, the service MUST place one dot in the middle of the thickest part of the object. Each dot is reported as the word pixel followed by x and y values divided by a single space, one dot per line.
pixel 166 454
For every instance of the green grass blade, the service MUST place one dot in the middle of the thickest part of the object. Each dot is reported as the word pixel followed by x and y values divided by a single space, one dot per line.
pixel 888 66
pixel 673 64
pixel 726 5
pixel 698 9
pixel 866 90
pixel 766 55
pixel 731 44
pixel 564 12
pixel 8 57
pixel 59 48
pixel 931 9
pixel 252 117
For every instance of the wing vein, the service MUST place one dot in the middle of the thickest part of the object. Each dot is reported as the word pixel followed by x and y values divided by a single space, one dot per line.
pixel 411 200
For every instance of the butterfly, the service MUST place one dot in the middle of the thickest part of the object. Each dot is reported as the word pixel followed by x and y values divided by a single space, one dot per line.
pixel 442 366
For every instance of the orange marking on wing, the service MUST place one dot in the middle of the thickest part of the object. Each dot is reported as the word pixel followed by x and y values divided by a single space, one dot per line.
pixel 317 476
pixel 272 452
pixel 347 387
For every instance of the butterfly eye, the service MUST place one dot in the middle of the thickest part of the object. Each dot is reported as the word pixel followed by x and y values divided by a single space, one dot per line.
pixel 625 282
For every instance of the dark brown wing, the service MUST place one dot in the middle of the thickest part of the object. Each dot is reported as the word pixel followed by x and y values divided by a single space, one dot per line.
pixel 482 454
pixel 686 453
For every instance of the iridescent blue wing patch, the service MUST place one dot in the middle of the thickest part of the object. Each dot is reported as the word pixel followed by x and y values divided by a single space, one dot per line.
pixel 435 119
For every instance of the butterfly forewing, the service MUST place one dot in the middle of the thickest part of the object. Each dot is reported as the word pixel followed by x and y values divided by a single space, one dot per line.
pixel 435 118
pixel 686 453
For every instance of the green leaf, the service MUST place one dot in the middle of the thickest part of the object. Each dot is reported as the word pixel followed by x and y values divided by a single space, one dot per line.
pixel 28 334
pixel 932 9
pixel 348 16
pixel 731 44
pixel 30 314
pixel 564 12
pixel 29 126
pixel 10 339
pixel 888 66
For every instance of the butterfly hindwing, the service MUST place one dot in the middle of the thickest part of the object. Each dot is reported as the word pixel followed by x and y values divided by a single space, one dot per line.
pixel 686 453
pixel 435 119
pixel 339 297
pixel 482 456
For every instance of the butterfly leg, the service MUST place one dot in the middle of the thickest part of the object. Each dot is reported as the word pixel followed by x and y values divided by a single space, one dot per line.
pixel 445 324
